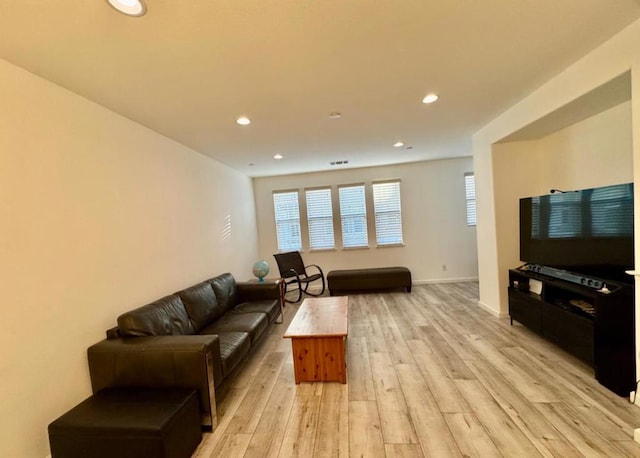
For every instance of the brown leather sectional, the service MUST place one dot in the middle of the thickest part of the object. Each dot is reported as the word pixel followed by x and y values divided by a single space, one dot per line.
pixel 194 338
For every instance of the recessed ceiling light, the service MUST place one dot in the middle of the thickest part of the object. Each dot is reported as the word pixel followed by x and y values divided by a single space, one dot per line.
pixel 430 98
pixel 335 115
pixel 129 7
pixel 243 121
pixel 278 156
pixel 398 144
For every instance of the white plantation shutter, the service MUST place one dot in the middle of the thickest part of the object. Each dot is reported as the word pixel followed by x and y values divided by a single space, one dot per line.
pixel 320 218
pixel 353 216
pixel 470 191
pixel 388 213
pixel 287 214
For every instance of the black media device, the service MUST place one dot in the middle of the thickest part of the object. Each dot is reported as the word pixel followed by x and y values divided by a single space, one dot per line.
pixel 588 231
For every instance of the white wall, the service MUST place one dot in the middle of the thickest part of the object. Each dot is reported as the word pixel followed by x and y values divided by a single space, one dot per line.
pixel 434 220
pixel 591 153
pixel 99 215
pixel 613 58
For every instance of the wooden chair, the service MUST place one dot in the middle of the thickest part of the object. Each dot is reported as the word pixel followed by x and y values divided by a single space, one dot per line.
pixel 293 271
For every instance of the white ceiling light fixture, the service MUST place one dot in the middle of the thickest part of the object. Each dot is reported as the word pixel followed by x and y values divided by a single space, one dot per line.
pixel 129 7
pixel 398 144
pixel 243 121
pixel 430 98
pixel 278 156
pixel 335 115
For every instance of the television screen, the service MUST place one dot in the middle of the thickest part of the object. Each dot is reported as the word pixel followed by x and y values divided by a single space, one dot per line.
pixel 588 231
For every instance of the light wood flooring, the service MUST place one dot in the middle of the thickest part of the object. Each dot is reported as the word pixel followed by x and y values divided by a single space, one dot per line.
pixel 429 374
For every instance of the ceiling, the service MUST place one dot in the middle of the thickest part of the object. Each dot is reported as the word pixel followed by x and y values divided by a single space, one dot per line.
pixel 188 69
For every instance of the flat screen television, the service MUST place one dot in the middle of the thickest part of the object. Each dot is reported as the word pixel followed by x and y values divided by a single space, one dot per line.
pixel 588 231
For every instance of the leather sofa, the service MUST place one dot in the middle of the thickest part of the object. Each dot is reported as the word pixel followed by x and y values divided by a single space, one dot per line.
pixel 194 338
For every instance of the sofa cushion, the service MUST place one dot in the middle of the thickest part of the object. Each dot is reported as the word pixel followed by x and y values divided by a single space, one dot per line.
pixel 271 308
pixel 201 304
pixel 166 316
pixel 226 290
pixel 252 323
pixel 234 346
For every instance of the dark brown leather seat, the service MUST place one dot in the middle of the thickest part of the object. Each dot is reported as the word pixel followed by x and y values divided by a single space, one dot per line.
pixel 378 278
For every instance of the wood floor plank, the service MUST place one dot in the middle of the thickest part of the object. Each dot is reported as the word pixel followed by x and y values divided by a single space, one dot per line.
pixel 542 434
pixel 504 433
pixel 332 436
pixel 231 446
pixel 585 438
pixel 451 363
pixel 433 434
pixel 359 376
pixel 444 390
pixel 390 333
pixel 530 388
pixel 397 427
pixel 267 437
pixel 248 413
pixel 300 433
pixel 403 451
pixel 365 432
pixel 470 436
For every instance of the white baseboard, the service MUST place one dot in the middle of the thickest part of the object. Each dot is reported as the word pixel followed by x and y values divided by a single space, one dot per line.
pixel 492 311
pixel 444 280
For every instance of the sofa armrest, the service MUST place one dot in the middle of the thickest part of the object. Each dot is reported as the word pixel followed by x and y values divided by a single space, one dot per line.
pixel 189 361
pixel 255 291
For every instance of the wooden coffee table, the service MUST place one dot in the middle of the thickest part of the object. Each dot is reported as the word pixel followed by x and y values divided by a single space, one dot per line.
pixel 318 333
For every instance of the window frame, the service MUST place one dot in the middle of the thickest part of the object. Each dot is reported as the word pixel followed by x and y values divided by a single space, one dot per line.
pixel 288 247
pixel 363 217
pixel 381 211
pixel 316 223
pixel 470 199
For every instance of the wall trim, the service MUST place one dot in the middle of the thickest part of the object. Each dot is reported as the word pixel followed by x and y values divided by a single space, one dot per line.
pixel 492 311
pixel 445 280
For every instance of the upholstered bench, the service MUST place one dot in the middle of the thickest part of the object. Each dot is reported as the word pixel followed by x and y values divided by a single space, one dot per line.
pixel 129 422
pixel 379 278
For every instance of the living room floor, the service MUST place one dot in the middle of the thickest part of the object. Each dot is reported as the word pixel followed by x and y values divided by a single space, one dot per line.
pixel 428 374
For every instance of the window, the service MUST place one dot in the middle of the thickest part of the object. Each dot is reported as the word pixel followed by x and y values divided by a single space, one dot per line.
pixel 320 218
pixel 388 215
pixel 470 190
pixel 353 216
pixel 285 205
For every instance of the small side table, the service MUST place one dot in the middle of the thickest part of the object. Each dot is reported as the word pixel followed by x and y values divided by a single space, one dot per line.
pixel 281 301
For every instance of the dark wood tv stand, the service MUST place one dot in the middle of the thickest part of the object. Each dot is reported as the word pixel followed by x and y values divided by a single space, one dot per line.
pixel 594 326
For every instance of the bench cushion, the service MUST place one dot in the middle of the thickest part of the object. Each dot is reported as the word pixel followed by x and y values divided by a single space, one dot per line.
pixel 377 278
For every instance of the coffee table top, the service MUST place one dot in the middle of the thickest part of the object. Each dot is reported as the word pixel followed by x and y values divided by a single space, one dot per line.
pixel 320 317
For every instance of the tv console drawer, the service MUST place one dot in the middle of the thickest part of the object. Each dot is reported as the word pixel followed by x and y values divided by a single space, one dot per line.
pixel 568 330
pixel 525 309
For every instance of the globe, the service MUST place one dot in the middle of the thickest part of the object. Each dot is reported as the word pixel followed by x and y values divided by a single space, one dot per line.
pixel 260 269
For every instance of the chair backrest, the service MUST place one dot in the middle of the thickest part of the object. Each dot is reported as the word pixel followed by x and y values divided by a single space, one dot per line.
pixel 288 261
